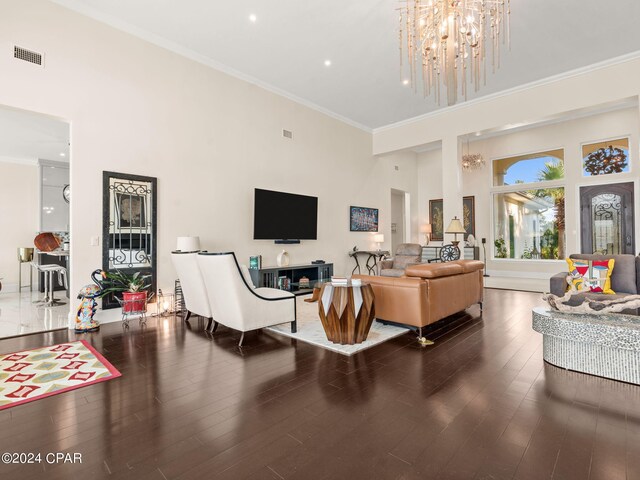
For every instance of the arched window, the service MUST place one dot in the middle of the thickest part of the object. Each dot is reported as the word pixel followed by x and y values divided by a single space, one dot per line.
pixel 528 206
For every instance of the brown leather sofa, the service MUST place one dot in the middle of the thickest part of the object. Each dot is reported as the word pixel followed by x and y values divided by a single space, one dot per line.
pixel 428 292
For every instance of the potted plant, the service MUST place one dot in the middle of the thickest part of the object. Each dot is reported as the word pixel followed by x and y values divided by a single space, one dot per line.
pixel 134 288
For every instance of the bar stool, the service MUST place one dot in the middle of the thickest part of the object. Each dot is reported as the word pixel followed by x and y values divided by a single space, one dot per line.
pixel 49 271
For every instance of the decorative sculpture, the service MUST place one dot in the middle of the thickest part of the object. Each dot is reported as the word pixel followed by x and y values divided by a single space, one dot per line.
pixel 87 309
pixel 471 241
pixel 588 305
pixel 282 260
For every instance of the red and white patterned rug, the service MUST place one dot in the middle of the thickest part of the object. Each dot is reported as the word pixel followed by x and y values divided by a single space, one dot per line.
pixel 41 372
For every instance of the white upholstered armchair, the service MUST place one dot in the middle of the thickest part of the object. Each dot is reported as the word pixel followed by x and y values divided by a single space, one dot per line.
pixel 193 291
pixel 236 304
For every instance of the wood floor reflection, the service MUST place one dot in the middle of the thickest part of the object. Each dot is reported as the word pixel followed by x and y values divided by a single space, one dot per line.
pixel 478 404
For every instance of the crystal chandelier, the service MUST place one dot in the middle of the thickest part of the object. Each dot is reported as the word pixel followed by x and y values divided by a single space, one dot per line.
pixel 446 42
pixel 472 161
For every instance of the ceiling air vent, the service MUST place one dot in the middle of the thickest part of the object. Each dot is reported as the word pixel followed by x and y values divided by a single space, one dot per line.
pixel 287 134
pixel 27 55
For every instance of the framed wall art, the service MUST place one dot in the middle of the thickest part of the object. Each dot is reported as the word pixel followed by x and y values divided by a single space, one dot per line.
pixel 131 211
pixel 469 216
pixel 363 219
pixel 436 220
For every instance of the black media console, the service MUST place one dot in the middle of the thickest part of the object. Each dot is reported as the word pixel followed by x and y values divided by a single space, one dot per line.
pixel 288 278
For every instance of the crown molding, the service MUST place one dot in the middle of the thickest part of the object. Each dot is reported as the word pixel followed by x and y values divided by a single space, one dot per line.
pixel 629 57
pixel 159 41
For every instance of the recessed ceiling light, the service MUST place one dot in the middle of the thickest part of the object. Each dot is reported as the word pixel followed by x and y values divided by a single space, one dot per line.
pixel 405 82
pixel 253 18
pixel 327 63
pixel 62 154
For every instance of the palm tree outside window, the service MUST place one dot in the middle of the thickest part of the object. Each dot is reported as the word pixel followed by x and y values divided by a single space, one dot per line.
pixel 528 206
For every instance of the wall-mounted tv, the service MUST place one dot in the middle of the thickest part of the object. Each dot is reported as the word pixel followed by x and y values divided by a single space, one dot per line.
pixel 284 216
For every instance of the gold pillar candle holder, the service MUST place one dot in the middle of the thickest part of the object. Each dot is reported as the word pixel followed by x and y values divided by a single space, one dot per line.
pixel 25 254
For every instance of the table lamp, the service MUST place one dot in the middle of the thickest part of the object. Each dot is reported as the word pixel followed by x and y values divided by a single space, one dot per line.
pixel 455 227
pixel 426 229
pixel 379 239
pixel 188 244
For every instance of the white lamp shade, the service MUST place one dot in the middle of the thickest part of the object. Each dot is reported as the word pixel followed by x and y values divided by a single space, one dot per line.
pixel 455 226
pixel 188 244
pixel 425 228
pixel 378 238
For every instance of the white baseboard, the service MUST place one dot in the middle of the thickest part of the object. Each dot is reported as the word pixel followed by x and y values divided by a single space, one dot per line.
pixel 514 283
pixel 13 287
pixel 523 275
pixel 9 288
pixel 112 315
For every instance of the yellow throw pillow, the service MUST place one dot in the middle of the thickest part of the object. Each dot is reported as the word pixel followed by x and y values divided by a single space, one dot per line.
pixel 591 275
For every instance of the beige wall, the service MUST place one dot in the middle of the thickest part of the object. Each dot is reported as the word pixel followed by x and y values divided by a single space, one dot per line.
pixel 568 135
pixel 400 173
pixel 564 97
pixel 429 182
pixel 596 85
pixel 211 138
pixel 208 137
pixel 18 219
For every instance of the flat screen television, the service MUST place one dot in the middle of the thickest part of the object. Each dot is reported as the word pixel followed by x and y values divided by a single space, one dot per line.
pixel 284 217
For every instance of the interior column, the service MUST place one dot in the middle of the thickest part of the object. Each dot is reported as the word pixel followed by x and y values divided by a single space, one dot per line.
pixel 451 187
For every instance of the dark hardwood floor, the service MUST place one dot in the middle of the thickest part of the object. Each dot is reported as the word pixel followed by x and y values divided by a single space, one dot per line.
pixel 479 404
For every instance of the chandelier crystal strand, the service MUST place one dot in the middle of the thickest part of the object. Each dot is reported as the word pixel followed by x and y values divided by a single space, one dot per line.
pixel 446 42
pixel 472 161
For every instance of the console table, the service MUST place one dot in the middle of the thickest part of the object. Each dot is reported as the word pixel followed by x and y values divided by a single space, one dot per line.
pixel 273 277
pixel 607 345
pixel 431 252
pixel 373 257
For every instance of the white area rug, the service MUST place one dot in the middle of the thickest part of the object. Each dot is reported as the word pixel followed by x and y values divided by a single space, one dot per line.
pixel 310 331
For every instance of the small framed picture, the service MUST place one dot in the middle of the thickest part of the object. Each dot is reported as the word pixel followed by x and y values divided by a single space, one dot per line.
pixel 131 211
pixel 363 219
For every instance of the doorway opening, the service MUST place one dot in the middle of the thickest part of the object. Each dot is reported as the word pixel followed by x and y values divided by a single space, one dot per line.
pixel 400 218
pixel 34 218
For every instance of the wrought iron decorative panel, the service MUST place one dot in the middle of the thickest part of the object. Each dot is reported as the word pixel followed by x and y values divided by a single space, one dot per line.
pixel 606 210
pixel 129 226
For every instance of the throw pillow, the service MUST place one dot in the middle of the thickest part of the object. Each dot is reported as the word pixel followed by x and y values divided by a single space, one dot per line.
pixel 591 275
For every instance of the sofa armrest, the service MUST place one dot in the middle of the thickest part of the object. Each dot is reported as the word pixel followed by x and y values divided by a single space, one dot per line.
pixel 385 264
pixel 558 284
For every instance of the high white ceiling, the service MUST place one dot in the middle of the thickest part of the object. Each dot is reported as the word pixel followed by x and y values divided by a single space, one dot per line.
pixel 27 137
pixel 286 47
